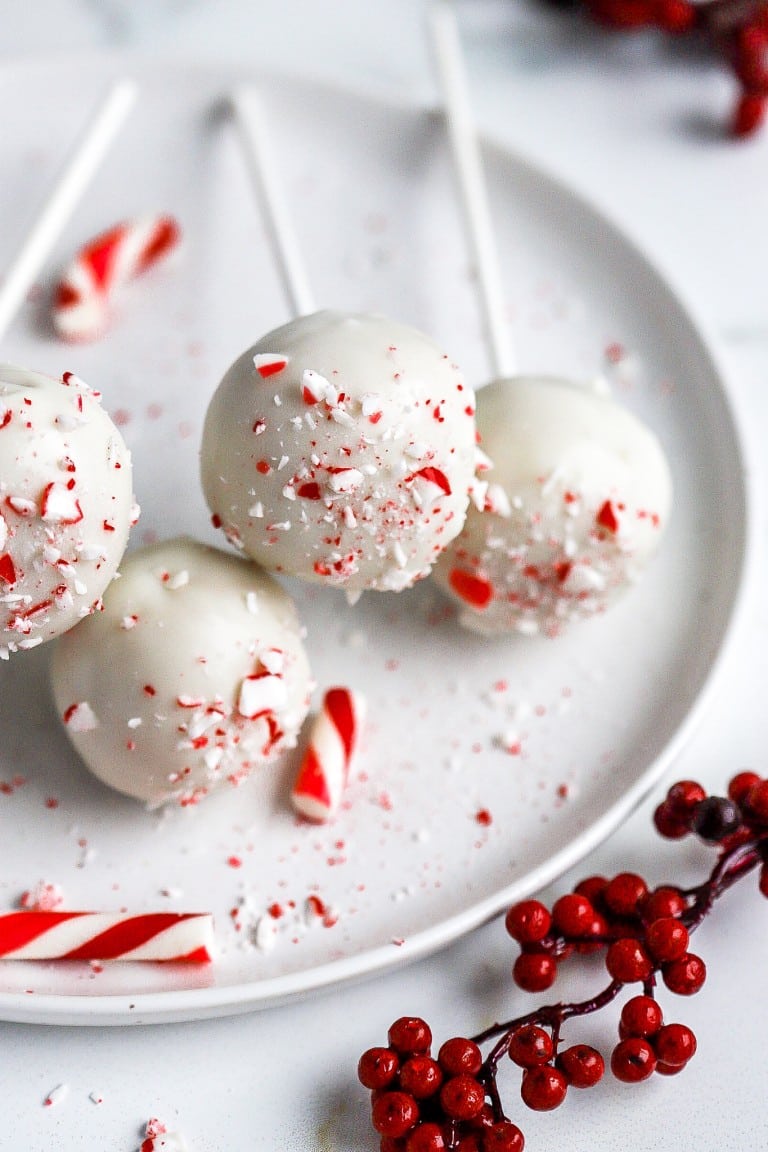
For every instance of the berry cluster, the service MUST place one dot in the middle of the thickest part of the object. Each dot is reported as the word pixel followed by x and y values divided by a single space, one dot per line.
pixel 451 1102
pixel 422 1103
pixel 736 30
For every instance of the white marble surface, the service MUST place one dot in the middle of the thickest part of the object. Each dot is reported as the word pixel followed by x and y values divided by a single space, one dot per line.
pixel 636 129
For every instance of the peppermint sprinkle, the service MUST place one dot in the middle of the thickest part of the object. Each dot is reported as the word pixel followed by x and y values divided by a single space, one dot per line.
pixel 269 364
pixel 80 717
pixel 261 693
pixel 179 580
pixel 345 480
pixel 56 1096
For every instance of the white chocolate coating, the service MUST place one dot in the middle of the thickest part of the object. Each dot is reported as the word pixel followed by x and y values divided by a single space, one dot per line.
pixel 193 674
pixel 577 499
pixel 66 505
pixel 340 449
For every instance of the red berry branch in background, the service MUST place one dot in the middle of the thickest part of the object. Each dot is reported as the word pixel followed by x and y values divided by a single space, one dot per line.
pixel 736 30
pixel 451 1102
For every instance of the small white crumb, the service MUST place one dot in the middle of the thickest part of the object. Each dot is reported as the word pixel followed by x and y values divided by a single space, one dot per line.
pixel 265 933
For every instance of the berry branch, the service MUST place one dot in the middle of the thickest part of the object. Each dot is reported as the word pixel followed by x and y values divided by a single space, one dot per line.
pixel 452 1102
pixel 734 30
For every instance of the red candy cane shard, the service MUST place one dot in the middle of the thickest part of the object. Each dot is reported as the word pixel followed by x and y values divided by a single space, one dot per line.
pixel 180 937
pixel 83 296
pixel 333 741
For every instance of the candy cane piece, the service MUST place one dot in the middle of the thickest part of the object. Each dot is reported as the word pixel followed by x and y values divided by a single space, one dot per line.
pixel 164 1142
pixel 77 174
pixel 83 296
pixel 53 935
pixel 324 769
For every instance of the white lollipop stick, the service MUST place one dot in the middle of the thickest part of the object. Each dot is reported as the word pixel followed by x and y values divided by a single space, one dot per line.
pixel 254 137
pixel 78 173
pixel 452 77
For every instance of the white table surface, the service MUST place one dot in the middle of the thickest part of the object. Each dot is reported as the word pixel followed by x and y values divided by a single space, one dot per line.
pixel 636 127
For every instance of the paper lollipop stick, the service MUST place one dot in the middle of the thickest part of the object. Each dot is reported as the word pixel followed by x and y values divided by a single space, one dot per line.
pixel 468 167
pixel 75 178
pixel 254 137
pixel 164 936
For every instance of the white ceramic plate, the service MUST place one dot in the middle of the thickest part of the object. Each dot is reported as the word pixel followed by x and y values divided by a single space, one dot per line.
pixel 409 863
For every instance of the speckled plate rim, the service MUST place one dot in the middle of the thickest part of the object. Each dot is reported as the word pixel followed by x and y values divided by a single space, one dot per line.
pixel 212 1001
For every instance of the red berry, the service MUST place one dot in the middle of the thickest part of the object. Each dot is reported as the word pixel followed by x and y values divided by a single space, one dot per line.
pixel 377 1067
pixel 748 115
pixel 469 1142
pixel 749 57
pixel 740 785
pixel 763 884
pixel 663 901
pixel 756 802
pixel 640 1016
pixel 626 14
pixel 675 16
pixel 592 887
pixel 598 930
pixel 674 1044
pixel 633 1060
pixel 684 796
pixel 668 825
pixel 627 961
pixel 427 1137
pixel 534 971
pixel 686 975
pixel 391 1144
pixel 716 818
pixel 528 922
pixel 421 1076
pixel 462 1097
pixel 410 1034
pixel 459 1055
pixel 530 1045
pixel 583 1066
pixel 543 1088
pixel 484 1119
pixel 503 1137
pixel 668 1069
pixel 624 892
pixel 394 1113
pixel 667 939
pixel 572 914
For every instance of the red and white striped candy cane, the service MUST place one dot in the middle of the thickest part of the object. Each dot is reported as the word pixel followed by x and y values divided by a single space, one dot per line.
pixel 333 741
pixel 51 935
pixel 81 303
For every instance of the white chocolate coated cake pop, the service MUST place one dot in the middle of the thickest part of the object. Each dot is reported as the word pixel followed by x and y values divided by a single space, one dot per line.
pixel 578 496
pixel 340 448
pixel 66 505
pixel 194 674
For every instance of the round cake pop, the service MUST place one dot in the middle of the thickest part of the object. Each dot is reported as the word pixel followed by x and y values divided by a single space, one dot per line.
pixel 194 673
pixel 571 511
pixel 66 505
pixel 578 490
pixel 340 448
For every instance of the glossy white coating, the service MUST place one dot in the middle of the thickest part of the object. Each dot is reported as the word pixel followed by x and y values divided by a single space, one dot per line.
pixel 340 448
pixel 574 502
pixel 66 505
pixel 193 675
